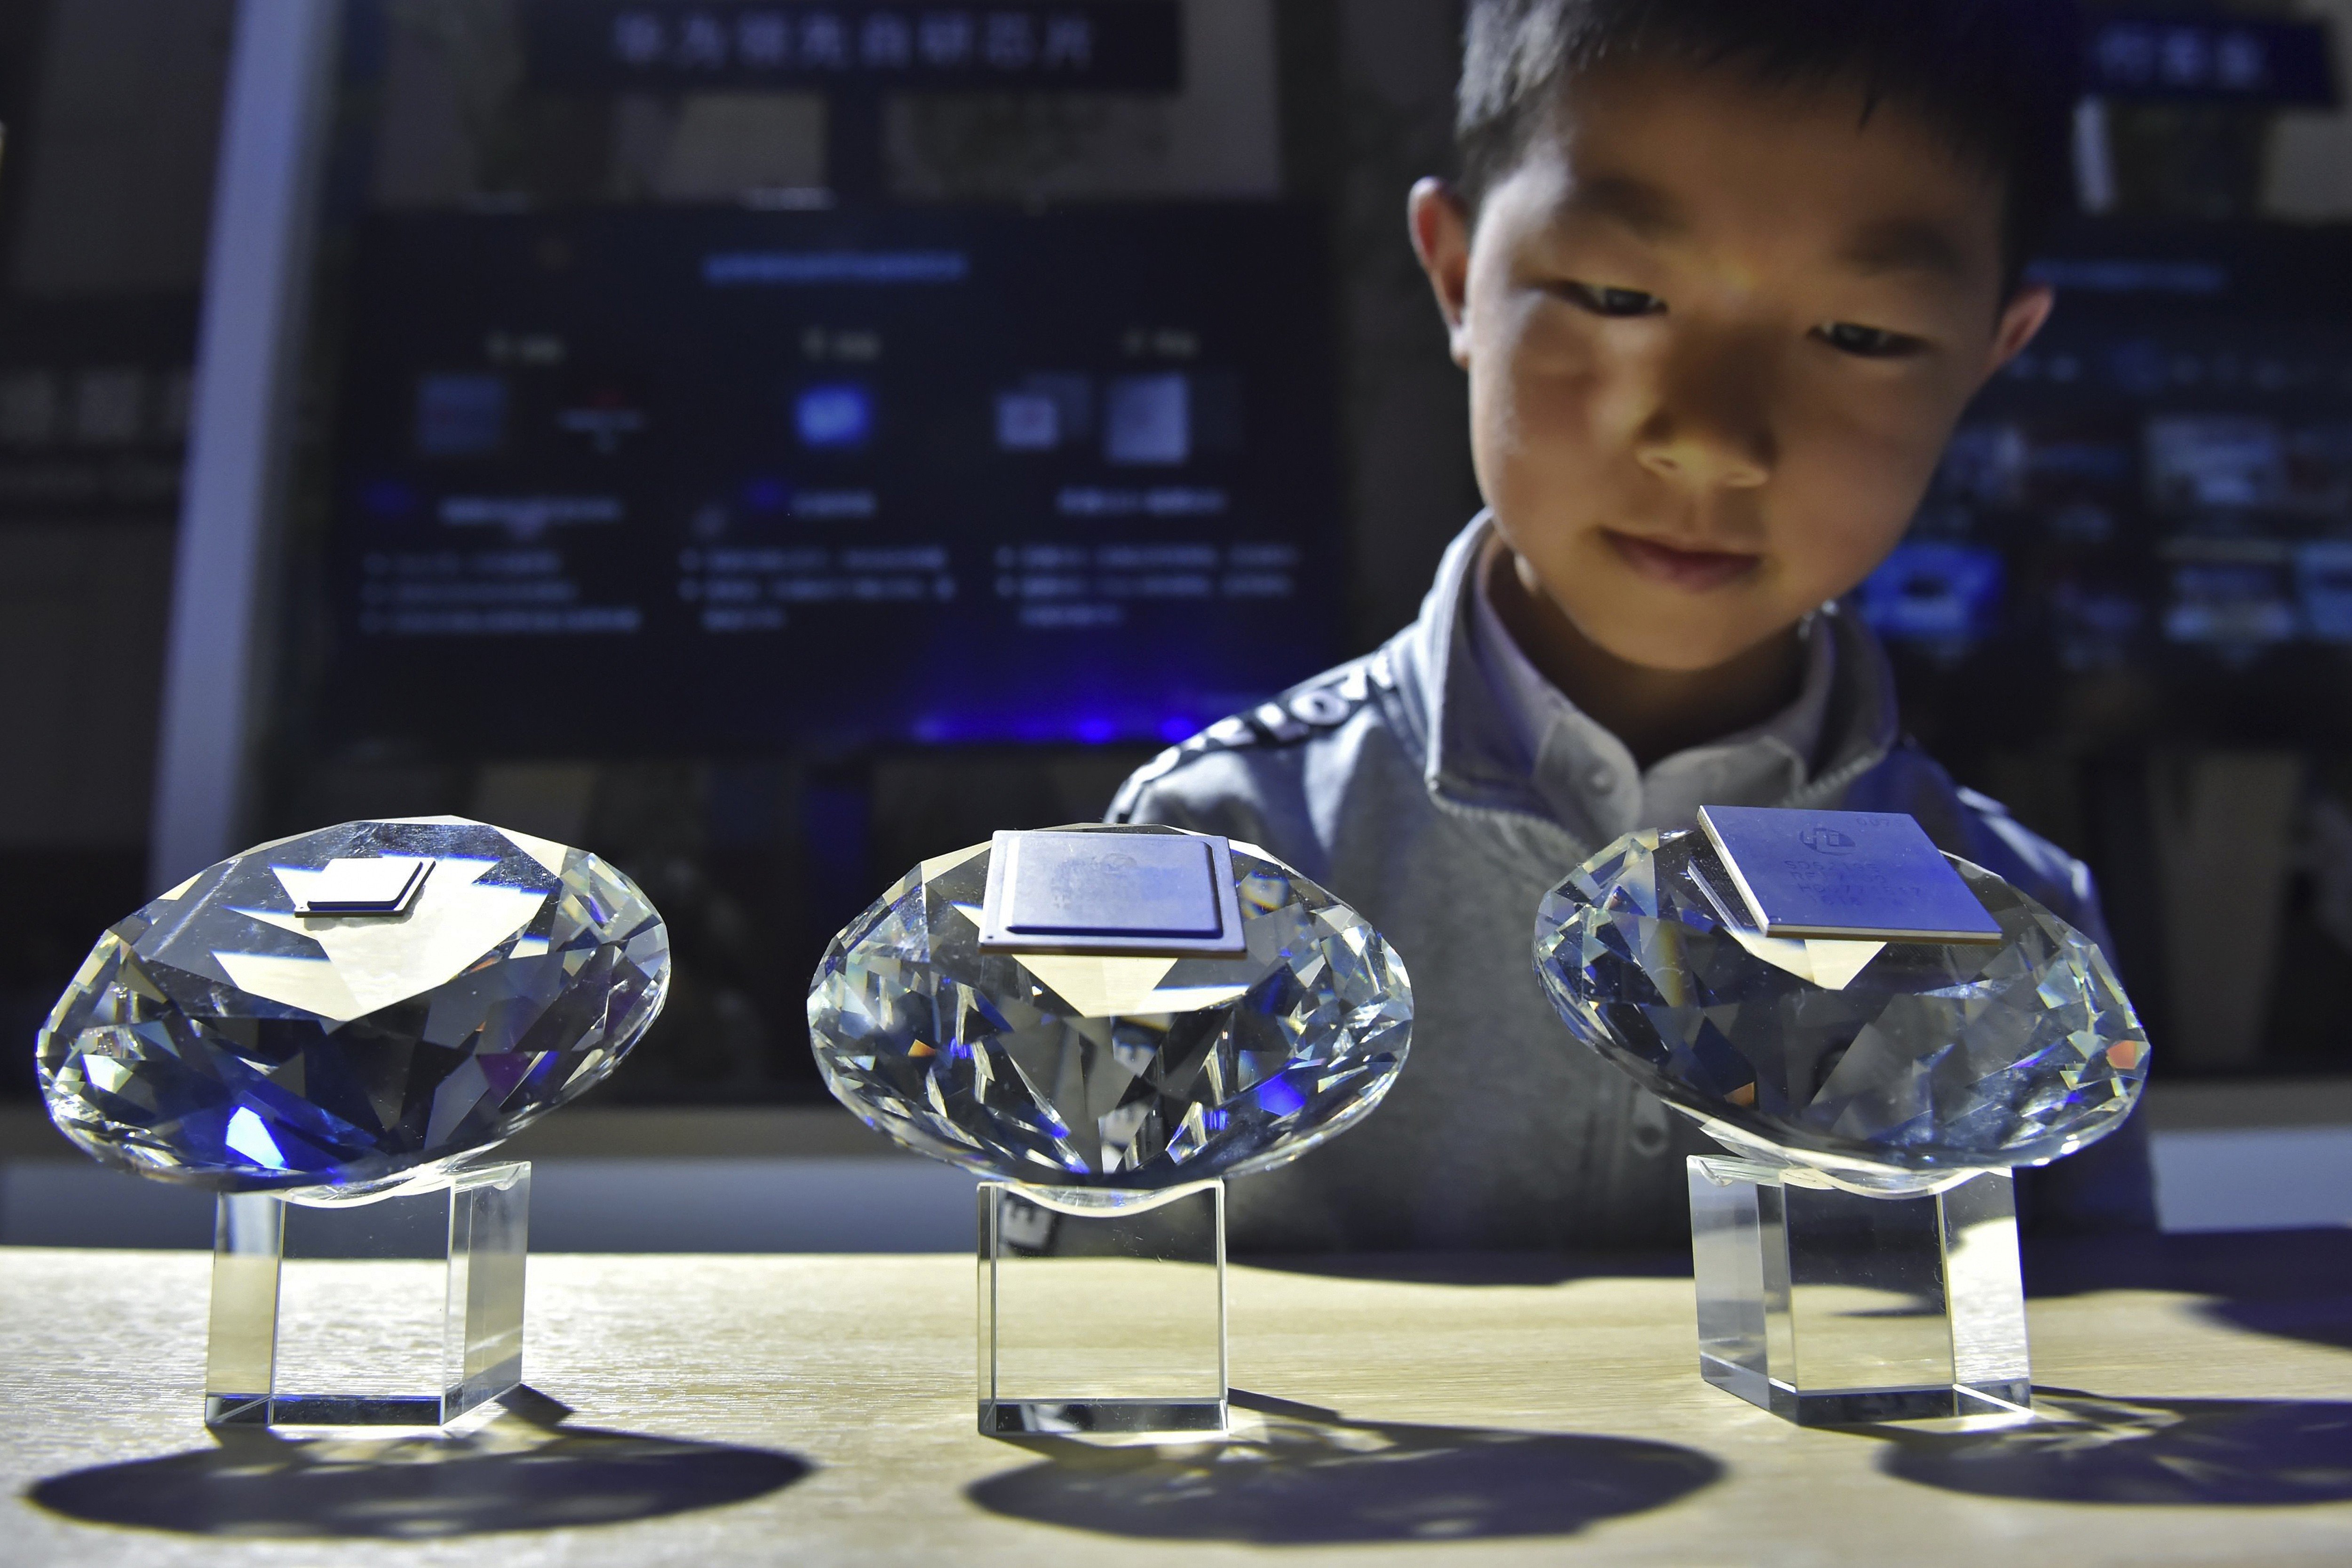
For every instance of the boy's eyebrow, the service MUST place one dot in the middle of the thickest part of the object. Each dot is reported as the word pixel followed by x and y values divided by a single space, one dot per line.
pixel 1641 206
pixel 1905 245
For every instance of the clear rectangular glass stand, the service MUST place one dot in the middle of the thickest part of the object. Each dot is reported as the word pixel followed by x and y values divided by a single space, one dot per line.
pixel 404 1311
pixel 1825 1306
pixel 1102 1314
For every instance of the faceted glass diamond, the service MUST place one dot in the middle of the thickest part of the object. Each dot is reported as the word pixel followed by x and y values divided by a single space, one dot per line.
pixel 221 1038
pixel 1890 1066
pixel 1125 1072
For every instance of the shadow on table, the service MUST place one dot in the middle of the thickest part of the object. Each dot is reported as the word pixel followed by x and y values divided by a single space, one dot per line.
pixel 522 1471
pixel 1478 1268
pixel 1310 1478
pixel 2296 1284
pixel 2084 1447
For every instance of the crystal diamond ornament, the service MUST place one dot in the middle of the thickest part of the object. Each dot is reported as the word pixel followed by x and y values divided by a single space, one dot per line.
pixel 1887 1065
pixel 1124 1071
pixel 1230 1016
pixel 1857 1259
pixel 355 1010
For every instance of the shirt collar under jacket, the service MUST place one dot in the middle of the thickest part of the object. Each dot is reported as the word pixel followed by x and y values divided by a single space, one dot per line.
pixel 1475 726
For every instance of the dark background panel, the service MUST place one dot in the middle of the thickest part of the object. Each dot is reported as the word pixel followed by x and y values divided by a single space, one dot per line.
pixel 2121 611
pixel 1067 480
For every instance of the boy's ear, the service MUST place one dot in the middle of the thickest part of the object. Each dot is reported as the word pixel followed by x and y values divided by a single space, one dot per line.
pixel 2021 320
pixel 1441 239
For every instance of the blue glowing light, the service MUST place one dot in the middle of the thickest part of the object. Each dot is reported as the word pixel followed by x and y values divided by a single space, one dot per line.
pixel 1935 590
pixel 1044 725
pixel 249 1138
pixel 1280 1096
pixel 835 417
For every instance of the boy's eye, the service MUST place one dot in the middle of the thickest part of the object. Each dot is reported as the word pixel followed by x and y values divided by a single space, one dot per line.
pixel 1606 301
pixel 1868 342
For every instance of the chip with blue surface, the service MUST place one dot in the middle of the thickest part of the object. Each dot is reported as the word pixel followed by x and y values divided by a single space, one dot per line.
pixel 1111 893
pixel 1860 875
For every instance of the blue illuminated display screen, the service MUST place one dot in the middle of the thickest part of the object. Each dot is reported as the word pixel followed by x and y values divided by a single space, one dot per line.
pixel 638 482
pixel 1930 590
pixel 2154 501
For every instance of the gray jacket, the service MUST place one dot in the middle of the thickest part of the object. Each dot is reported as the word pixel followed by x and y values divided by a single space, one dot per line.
pixel 1394 782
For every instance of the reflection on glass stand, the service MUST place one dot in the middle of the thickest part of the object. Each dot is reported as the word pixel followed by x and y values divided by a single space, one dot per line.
pixel 1102 1312
pixel 1824 1305
pixel 404 1310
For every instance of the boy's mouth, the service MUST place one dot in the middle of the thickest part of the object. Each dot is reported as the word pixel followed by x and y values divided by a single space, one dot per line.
pixel 1695 571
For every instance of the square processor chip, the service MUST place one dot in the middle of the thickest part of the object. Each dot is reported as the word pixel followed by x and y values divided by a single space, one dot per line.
pixel 1111 893
pixel 1867 874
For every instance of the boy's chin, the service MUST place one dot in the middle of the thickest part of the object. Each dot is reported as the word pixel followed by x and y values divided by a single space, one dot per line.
pixel 1692 647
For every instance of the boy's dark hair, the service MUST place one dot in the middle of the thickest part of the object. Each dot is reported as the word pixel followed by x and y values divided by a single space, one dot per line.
pixel 1997 78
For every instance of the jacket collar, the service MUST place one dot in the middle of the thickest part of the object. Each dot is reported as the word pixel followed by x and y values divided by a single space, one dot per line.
pixel 1470 756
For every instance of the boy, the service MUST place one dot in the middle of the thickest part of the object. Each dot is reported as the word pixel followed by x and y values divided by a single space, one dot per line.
pixel 1723 274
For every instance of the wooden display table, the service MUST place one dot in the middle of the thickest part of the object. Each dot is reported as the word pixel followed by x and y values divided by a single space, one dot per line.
pixel 820 1409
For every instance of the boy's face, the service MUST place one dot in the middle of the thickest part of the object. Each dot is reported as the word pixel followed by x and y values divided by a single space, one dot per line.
pixel 1718 334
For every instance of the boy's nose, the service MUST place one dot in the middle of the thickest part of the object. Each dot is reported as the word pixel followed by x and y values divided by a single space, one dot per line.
pixel 1709 460
pixel 1708 427
pixel 1709 453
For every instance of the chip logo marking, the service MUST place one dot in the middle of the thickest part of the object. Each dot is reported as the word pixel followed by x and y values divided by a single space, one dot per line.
pixel 1823 839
